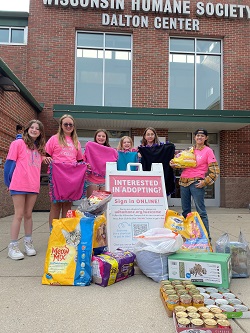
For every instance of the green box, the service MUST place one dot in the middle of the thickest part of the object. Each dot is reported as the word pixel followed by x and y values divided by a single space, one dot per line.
pixel 205 269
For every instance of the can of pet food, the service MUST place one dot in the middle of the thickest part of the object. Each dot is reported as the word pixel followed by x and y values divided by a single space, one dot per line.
pixel 181 314
pixel 227 308
pixel 234 301
pixel 183 322
pixel 198 300
pixel 175 282
pixel 216 296
pixel 185 300
pixel 172 301
pixel 228 295
pixel 207 315
pixel 209 301
pixel 203 309
pixel 215 310
pixel 197 322
pixel 191 309
pixel 240 308
pixel 220 316
pixel 223 323
pixel 165 282
pixel 210 323
pixel 182 292
pixel 187 282
pixel 179 308
pixel 193 315
pixel 211 290
pixel 194 291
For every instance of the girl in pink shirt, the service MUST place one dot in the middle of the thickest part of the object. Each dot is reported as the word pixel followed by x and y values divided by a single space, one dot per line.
pixel 22 177
pixel 194 180
pixel 63 149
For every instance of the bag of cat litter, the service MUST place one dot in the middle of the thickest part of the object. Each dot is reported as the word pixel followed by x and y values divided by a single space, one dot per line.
pixel 68 256
pixel 111 267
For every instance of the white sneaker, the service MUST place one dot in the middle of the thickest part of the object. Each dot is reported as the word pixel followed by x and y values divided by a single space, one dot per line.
pixel 14 252
pixel 29 248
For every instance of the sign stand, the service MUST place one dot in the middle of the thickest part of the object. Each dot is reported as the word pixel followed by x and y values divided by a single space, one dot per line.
pixel 139 203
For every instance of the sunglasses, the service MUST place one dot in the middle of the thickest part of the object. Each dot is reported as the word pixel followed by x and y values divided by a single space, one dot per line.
pixel 68 125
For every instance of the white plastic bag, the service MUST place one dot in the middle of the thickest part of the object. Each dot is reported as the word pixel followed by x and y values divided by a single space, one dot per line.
pixel 158 240
pixel 152 251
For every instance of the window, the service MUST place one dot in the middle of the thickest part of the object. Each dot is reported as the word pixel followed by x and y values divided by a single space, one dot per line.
pixel 13 35
pixel 103 69
pixel 195 74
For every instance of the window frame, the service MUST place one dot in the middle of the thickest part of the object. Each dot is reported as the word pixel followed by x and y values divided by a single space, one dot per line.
pixel 195 53
pixel 103 48
pixel 25 35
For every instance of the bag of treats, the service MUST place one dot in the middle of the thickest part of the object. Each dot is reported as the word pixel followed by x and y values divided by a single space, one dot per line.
pixel 184 159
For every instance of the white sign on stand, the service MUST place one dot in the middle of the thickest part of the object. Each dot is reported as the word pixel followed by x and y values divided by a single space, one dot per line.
pixel 138 203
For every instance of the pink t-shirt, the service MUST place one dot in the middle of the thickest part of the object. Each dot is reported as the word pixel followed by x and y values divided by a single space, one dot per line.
pixel 26 176
pixel 63 154
pixel 203 158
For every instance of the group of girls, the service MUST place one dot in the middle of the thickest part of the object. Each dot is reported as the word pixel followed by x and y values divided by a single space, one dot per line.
pixel 70 170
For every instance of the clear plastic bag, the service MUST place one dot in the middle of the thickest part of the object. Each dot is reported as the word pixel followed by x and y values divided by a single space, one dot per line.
pixel 158 240
pixel 221 245
pixel 96 204
pixel 240 254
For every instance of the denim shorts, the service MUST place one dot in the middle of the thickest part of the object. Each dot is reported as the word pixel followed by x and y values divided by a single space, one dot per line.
pixel 12 192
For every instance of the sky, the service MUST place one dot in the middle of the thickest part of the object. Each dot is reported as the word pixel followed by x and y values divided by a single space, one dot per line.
pixel 15 5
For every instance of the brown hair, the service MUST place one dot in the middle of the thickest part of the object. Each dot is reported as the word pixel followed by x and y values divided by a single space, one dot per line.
pixel 144 141
pixel 204 132
pixel 119 147
pixel 39 143
pixel 73 135
pixel 106 143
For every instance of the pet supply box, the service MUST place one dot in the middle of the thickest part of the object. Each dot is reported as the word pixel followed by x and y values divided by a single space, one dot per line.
pixel 208 269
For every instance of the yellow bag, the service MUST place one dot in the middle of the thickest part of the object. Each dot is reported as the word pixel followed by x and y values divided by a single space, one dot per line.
pixel 69 251
pixel 100 241
pixel 185 159
pixel 177 223
pixel 191 228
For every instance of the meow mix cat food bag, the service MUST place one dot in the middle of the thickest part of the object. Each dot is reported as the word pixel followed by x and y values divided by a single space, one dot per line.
pixel 68 256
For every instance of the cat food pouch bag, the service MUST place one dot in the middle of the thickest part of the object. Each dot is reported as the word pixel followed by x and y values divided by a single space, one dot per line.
pixel 100 241
pixel 111 267
pixel 68 256
pixel 199 241
pixel 185 159
pixel 177 223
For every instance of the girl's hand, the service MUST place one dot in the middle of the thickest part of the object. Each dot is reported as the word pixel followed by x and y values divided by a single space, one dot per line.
pixel 47 160
pixel 200 183
pixel 172 164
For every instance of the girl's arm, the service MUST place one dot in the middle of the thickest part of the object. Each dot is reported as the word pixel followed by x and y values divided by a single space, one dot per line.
pixel 9 168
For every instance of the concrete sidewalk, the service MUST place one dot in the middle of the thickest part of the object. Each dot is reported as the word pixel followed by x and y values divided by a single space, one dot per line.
pixel 130 305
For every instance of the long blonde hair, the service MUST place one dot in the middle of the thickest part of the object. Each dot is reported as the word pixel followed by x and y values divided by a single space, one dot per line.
pixel 119 147
pixel 39 143
pixel 73 135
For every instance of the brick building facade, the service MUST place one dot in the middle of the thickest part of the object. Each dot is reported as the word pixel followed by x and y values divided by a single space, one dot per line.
pixel 47 66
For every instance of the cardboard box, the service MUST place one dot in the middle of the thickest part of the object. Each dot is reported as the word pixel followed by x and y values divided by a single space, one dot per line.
pixel 200 330
pixel 208 269
pixel 190 329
